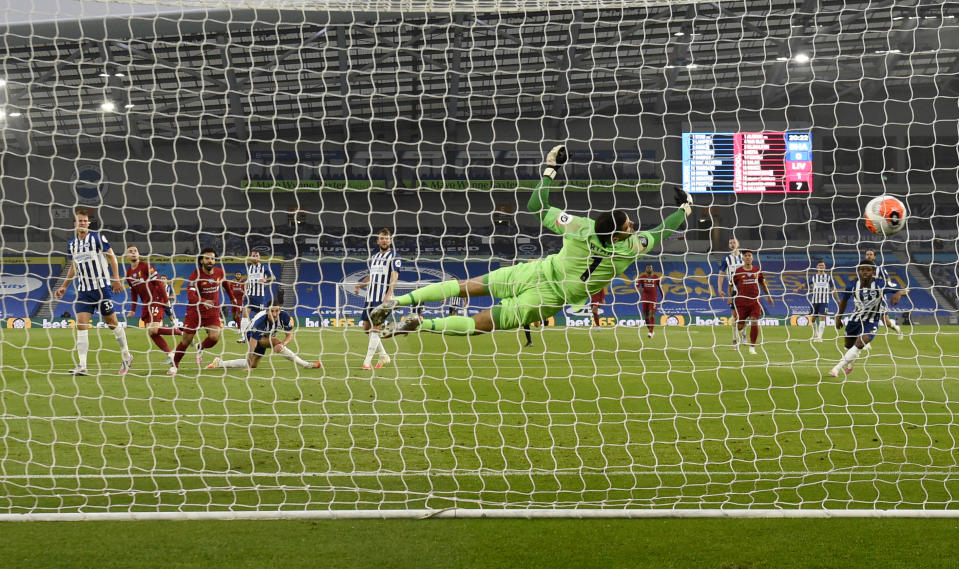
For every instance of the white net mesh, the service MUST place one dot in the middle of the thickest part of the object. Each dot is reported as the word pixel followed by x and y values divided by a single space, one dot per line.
pixel 299 131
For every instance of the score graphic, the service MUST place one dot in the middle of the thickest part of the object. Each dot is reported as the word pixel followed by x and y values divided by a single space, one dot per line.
pixel 744 162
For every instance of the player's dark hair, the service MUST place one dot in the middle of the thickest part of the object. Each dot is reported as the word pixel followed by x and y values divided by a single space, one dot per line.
pixel 204 251
pixel 744 251
pixel 867 263
pixel 609 223
pixel 385 231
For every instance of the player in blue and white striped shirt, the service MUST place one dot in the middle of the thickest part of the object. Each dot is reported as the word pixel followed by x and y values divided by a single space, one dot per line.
pixel 384 268
pixel 94 266
pixel 262 335
pixel 258 279
pixel 727 268
pixel 868 301
pixel 821 289
pixel 883 275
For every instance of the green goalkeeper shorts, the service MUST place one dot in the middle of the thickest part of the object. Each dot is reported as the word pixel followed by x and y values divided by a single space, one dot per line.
pixel 526 296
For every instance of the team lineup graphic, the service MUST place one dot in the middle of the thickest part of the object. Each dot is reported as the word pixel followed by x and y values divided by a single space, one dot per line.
pixel 594 252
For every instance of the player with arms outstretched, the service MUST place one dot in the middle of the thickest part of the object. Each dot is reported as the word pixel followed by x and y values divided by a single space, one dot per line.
pixel 866 292
pixel 384 270
pixel 821 288
pixel 747 280
pixel 203 296
pixel 147 288
pixel 649 285
pixel 94 266
pixel 593 253
pixel 727 268
pixel 261 335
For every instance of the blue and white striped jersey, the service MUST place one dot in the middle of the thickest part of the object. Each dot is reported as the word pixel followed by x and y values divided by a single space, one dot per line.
pixel 728 267
pixel 868 301
pixel 382 266
pixel 262 324
pixel 456 301
pixel 90 261
pixel 820 285
pixel 256 276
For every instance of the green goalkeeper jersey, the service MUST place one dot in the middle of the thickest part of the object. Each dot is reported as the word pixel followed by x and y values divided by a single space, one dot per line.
pixel 584 265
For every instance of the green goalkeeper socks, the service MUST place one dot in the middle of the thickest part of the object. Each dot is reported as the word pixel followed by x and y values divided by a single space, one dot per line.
pixel 430 293
pixel 458 325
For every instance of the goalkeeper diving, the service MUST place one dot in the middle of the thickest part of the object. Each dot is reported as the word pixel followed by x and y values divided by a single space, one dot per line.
pixel 593 253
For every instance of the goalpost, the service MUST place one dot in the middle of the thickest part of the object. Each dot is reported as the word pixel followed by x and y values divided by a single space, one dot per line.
pixel 299 134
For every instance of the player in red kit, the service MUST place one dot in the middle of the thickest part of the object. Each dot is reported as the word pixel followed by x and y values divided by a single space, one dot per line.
pixel 203 310
pixel 650 291
pixel 595 301
pixel 146 288
pixel 747 280
pixel 234 289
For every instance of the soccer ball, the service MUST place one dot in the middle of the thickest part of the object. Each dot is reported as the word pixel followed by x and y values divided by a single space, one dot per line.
pixel 885 215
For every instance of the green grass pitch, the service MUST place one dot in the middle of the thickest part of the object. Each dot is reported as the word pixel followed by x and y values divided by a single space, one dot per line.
pixel 590 418
pixel 600 419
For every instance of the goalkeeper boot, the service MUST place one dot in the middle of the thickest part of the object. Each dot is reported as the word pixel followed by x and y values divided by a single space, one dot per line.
pixel 173 370
pixel 384 360
pixel 379 314
pixel 557 156
pixel 78 371
pixel 215 363
pixel 409 324
pixel 315 365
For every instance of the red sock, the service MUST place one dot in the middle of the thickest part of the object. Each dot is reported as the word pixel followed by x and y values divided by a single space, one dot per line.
pixel 596 319
pixel 180 350
pixel 160 342
pixel 754 333
pixel 208 343
pixel 169 331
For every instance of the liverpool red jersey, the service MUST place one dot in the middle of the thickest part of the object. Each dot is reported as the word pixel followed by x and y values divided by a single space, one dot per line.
pixel 747 282
pixel 648 286
pixel 139 278
pixel 205 286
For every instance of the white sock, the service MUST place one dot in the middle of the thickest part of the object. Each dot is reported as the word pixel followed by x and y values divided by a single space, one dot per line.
pixel 288 354
pixel 851 355
pixel 892 322
pixel 821 327
pixel 244 322
pixel 239 362
pixel 373 346
pixel 83 346
pixel 380 349
pixel 735 334
pixel 121 337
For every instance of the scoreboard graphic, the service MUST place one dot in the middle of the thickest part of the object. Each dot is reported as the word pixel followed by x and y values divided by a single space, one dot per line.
pixel 747 162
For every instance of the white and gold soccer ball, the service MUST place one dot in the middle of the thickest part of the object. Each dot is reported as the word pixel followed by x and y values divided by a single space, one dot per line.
pixel 885 215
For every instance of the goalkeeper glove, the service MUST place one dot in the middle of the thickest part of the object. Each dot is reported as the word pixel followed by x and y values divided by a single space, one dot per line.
pixel 683 200
pixel 554 159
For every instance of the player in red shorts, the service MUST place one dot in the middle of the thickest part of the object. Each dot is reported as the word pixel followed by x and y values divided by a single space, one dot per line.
pixel 650 291
pixel 595 301
pixel 747 280
pixel 203 310
pixel 146 287
pixel 234 289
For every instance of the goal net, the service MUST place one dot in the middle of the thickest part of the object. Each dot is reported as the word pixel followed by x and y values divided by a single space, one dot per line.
pixel 299 134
